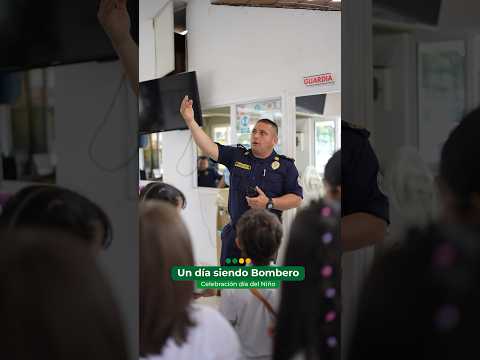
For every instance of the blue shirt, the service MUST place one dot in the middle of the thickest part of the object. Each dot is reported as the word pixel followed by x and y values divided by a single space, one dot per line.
pixel 360 171
pixel 208 178
pixel 275 176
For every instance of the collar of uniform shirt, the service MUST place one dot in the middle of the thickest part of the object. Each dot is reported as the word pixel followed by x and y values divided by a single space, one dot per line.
pixel 268 158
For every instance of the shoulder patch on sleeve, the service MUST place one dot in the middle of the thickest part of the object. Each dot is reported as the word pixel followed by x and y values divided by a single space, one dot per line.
pixel 243 149
pixel 286 158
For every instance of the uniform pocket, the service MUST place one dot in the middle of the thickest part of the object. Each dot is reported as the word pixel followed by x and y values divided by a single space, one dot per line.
pixel 274 184
pixel 239 180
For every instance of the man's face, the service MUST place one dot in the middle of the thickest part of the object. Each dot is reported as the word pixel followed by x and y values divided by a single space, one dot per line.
pixel 203 164
pixel 263 138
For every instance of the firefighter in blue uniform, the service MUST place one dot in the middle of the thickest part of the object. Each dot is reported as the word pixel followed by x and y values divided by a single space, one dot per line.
pixel 259 177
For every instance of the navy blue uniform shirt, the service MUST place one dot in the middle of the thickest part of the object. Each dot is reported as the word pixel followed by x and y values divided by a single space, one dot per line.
pixel 275 175
pixel 208 178
pixel 360 172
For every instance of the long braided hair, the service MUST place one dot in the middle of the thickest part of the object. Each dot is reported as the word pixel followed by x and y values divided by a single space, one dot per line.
pixel 308 319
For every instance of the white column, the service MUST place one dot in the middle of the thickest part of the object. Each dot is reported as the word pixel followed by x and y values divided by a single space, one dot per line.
pixel 357 107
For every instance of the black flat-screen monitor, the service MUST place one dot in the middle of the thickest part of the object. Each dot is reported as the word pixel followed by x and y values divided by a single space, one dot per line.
pixel 426 12
pixel 35 34
pixel 314 104
pixel 160 99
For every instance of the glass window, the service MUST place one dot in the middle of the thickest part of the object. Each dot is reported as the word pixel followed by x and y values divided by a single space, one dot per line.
pixel 248 114
pixel 216 124
pixel 221 134
pixel 151 153
pixel 324 143
pixel 27 127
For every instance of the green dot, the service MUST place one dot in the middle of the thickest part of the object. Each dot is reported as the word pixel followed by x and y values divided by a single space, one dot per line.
pixel 235 260
pixel 227 260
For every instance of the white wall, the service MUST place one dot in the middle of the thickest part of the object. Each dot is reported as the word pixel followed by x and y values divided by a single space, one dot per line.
pixel 249 53
pixel 333 105
pixel 394 112
pixel 303 156
pixel 146 50
pixel 200 213
pixel 243 54
pixel 156 48
pixel 148 9
pixel 397 125
pixel 83 94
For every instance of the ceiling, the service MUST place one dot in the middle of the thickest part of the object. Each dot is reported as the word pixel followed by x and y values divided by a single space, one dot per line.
pixel 293 4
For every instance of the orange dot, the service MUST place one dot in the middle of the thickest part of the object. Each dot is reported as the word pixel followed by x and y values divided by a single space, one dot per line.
pixel 241 261
pixel 248 261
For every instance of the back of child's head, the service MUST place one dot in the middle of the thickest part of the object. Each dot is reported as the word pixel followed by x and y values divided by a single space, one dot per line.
pixel 460 165
pixel 54 301
pixel 421 300
pixel 58 208
pixel 164 192
pixel 164 303
pixel 259 233
pixel 308 320
pixel 332 178
pixel 333 170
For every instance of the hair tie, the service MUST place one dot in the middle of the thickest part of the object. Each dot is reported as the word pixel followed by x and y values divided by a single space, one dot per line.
pixel 330 316
pixel 330 293
pixel 332 341
pixel 327 271
pixel 326 211
pixel 327 238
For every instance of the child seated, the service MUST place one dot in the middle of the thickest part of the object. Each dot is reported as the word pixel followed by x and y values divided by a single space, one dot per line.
pixel 251 311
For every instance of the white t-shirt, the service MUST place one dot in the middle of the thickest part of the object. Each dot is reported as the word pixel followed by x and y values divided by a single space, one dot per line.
pixel 251 319
pixel 212 338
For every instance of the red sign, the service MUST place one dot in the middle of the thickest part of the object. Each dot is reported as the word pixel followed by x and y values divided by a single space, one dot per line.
pixel 320 79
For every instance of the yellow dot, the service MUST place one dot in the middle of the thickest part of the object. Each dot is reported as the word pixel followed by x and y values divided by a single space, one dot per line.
pixel 248 261
pixel 241 261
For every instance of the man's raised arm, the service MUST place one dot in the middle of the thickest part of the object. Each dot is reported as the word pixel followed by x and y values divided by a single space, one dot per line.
pixel 203 141
pixel 114 18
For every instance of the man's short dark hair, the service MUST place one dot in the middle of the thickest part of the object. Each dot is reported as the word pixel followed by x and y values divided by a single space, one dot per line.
pixel 203 157
pixel 259 233
pixel 271 123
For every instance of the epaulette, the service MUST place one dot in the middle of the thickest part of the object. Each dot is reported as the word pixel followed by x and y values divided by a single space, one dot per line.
pixel 286 158
pixel 243 148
